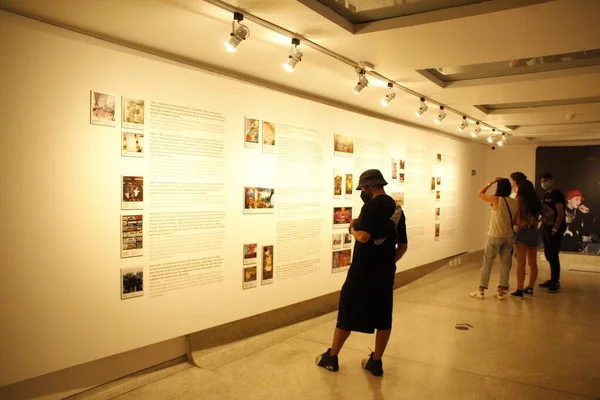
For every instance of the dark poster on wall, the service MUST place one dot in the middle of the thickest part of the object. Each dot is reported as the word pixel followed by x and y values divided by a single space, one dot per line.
pixel 576 172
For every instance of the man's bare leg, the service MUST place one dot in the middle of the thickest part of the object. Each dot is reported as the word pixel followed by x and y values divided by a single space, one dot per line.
pixel 339 338
pixel 381 340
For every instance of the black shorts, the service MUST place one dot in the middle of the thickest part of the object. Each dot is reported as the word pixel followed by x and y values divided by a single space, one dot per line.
pixel 528 237
pixel 365 310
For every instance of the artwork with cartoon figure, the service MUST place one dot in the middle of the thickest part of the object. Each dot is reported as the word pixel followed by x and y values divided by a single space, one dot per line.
pixel 575 170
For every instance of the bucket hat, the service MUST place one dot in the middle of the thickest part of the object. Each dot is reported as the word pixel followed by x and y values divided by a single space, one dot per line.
pixel 371 177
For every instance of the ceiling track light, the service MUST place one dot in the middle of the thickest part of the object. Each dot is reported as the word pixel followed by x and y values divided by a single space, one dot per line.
pixel 391 95
pixel 363 82
pixel 464 124
pixel 492 137
pixel 502 140
pixel 238 33
pixel 295 56
pixel 441 115
pixel 476 130
pixel 422 108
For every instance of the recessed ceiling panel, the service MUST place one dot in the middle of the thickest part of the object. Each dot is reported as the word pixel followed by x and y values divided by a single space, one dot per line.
pixel 529 65
pixel 361 11
pixel 536 104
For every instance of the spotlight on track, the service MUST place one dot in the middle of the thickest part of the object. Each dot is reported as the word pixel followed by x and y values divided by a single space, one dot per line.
pixel 238 33
pixel 363 82
pixel 502 141
pixel 476 130
pixel 391 95
pixel 422 109
pixel 295 56
pixel 492 137
pixel 441 115
pixel 464 124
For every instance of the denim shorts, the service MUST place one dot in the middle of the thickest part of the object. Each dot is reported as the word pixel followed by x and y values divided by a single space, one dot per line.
pixel 529 237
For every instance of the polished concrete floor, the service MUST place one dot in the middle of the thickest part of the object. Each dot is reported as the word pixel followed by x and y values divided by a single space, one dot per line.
pixel 545 347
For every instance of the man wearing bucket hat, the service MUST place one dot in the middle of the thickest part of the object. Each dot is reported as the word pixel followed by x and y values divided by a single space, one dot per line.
pixel 366 299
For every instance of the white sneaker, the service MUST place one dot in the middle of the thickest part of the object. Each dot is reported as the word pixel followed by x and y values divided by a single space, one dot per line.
pixel 477 295
pixel 501 296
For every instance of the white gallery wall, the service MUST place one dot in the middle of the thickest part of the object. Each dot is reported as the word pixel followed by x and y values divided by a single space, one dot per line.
pixel 62 202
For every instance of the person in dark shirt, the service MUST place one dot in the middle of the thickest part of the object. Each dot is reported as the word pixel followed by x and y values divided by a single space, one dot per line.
pixel 552 234
pixel 366 299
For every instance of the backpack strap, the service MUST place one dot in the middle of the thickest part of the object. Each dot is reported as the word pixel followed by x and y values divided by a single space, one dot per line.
pixel 510 214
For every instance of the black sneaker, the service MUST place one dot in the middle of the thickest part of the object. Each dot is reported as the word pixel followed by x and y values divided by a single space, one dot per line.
pixel 528 291
pixel 375 366
pixel 545 284
pixel 328 361
pixel 517 293
pixel 554 287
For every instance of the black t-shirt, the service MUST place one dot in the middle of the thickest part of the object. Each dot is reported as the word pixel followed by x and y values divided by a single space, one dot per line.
pixel 552 199
pixel 373 265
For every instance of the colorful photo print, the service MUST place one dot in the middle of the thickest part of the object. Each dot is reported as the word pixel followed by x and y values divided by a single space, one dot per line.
pixel 267 265
pixel 250 256
pixel 439 159
pixel 342 217
pixel 336 241
pixel 437 232
pixel 133 113
pixel 432 184
pixel 102 109
pixel 349 186
pixel 347 241
pixel 438 195
pixel 132 192
pixel 343 145
pixel 259 200
pixel 575 170
pixel 437 213
pixel 252 133
pixel 269 137
pixel 394 169
pixel 401 178
pixel 438 180
pixel 341 260
pixel 249 277
pixel 132 238
pixel 401 164
pixel 132 282
pixel 398 198
pixel 133 144
pixel 338 177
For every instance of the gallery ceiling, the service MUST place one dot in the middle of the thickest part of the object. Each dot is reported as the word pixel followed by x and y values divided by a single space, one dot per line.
pixel 530 68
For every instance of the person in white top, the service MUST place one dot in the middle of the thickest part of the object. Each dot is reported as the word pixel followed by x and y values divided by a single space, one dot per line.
pixel 500 236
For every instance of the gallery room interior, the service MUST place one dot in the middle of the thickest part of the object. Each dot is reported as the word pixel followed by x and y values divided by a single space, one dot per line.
pixel 181 181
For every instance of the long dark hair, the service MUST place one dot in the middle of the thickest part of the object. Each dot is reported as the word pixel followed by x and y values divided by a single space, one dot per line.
pixel 518 177
pixel 503 188
pixel 529 203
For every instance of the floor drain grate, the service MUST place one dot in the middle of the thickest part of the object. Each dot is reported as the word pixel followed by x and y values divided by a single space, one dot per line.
pixel 463 327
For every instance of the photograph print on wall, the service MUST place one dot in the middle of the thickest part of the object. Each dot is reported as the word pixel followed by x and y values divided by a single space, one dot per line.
pixel 132 282
pixel 269 137
pixel 102 109
pixel 133 144
pixel 133 113
pixel 252 133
